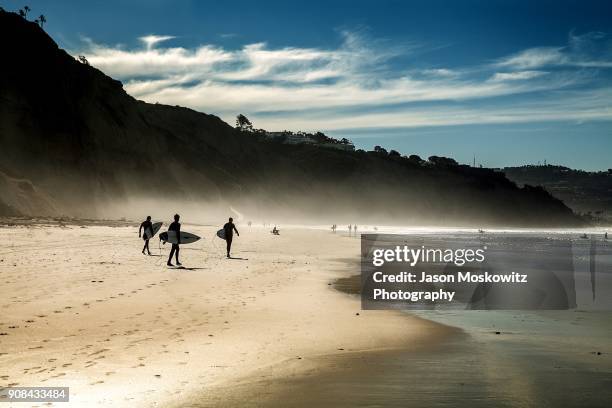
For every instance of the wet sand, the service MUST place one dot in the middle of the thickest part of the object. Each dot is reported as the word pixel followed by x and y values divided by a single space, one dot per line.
pixel 498 358
pixel 83 308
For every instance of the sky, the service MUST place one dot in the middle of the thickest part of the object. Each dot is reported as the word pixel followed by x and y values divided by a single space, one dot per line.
pixel 506 82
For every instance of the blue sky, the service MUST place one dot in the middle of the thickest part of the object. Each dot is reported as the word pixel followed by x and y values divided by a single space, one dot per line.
pixel 512 82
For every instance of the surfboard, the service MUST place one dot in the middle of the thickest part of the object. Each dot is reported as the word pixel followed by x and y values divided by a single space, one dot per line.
pixel 221 233
pixel 186 237
pixel 156 227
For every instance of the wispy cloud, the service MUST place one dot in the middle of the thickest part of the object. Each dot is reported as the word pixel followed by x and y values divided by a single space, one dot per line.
pixel 590 50
pixel 516 76
pixel 151 40
pixel 322 88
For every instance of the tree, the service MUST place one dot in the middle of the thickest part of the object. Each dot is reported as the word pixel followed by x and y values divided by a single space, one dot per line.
pixel 415 158
pixel 83 60
pixel 443 161
pixel 380 150
pixel 22 13
pixel 42 20
pixel 243 123
pixel 26 10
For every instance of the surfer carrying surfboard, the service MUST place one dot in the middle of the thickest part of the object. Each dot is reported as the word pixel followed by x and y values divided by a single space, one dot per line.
pixel 147 228
pixel 175 226
pixel 229 229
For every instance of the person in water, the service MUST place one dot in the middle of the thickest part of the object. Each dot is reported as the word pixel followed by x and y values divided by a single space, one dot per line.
pixel 229 229
pixel 176 227
pixel 147 228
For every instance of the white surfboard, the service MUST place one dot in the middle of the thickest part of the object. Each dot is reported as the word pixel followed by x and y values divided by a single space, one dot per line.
pixel 186 237
pixel 156 227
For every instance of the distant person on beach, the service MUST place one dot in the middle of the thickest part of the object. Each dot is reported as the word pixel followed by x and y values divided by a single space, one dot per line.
pixel 176 227
pixel 606 235
pixel 147 228
pixel 275 231
pixel 355 228
pixel 229 229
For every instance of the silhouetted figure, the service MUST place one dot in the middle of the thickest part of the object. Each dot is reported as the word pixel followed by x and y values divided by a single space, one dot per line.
pixel 147 228
pixel 355 228
pixel 606 235
pixel 176 227
pixel 275 231
pixel 229 229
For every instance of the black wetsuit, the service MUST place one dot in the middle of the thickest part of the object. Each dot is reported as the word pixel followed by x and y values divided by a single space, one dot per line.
pixel 175 226
pixel 146 226
pixel 229 229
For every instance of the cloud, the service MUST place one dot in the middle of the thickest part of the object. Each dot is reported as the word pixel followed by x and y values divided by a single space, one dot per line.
pixel 516 76
pixel 357 83
pixel 440 72
pixel 535 58
pixel 560 107
pixel 151 40
pixel 590 50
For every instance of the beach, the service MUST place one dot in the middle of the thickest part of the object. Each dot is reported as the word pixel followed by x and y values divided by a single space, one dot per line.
pixel 83 308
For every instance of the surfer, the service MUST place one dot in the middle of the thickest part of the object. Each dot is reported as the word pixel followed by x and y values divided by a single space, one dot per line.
pixel 229 229
pixel 175 226
pixel 147 228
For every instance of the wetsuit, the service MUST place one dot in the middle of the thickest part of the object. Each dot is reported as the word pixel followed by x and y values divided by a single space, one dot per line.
pixel 146 226
pixel 229 229
pixel 175 226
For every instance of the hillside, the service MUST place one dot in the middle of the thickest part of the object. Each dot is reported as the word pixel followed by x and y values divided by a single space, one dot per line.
pixel 74 142
pixel 585 192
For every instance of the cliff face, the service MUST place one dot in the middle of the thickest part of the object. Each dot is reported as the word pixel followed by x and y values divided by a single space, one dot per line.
pixel 583 191
pixel 80 143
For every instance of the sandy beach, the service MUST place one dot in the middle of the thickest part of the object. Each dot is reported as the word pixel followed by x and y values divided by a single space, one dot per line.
pixel 83 308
